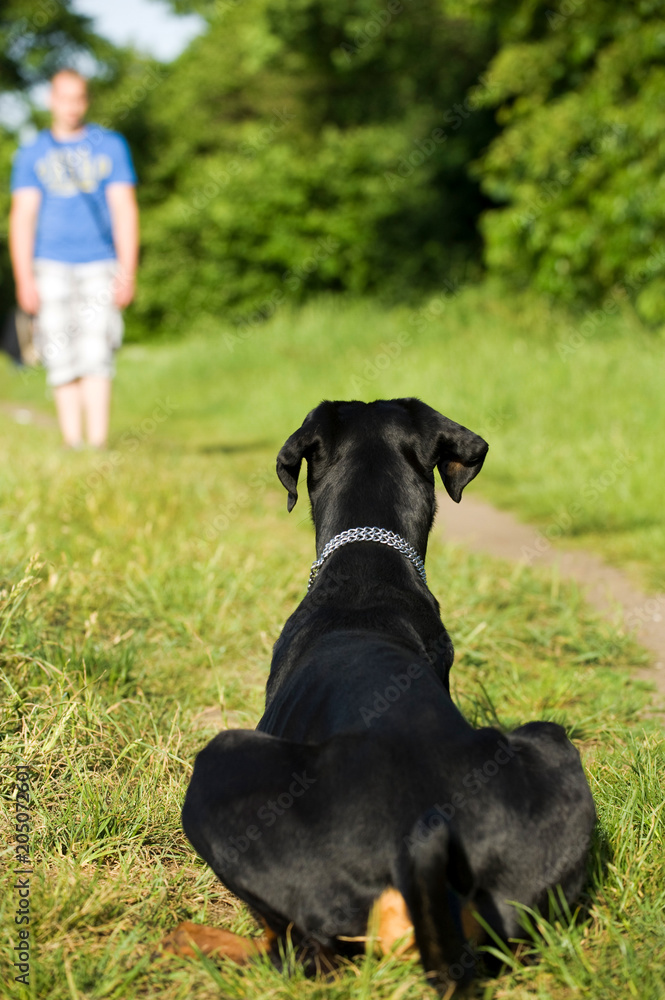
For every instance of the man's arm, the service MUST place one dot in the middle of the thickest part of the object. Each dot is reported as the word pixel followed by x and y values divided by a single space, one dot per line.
pixel 124 211
pixel 22 228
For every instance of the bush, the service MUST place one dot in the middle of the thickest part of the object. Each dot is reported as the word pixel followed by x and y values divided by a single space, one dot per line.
pixel 578 168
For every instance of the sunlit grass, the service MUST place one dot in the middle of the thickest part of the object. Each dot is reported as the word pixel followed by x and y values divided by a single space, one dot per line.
pixel 163 570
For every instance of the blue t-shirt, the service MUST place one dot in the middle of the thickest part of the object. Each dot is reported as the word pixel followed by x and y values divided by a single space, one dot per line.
pixel 74 223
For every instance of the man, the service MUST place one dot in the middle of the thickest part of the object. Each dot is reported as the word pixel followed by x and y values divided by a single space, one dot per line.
pixel 73 236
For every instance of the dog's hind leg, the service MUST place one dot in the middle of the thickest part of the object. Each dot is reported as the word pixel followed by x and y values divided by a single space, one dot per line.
pixel 266 815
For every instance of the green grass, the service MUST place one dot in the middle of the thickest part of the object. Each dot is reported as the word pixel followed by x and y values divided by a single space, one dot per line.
pixel 143 586
pixel 572 408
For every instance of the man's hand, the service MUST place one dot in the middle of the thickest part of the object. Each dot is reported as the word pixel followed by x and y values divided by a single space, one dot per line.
pixel 27 295
pixel 124 286
pixel 121 199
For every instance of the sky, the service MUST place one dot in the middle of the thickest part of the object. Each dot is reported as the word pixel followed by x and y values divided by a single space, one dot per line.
pixel 150 25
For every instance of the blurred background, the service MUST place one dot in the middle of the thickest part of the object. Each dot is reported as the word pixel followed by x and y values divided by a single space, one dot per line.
pixel 462 200
pixel 384 148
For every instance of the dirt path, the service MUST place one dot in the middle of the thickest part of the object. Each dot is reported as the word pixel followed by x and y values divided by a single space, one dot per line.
pixel 26 415
pixel 480 527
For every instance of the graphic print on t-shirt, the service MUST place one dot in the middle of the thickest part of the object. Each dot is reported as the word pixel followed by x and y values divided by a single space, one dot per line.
pixel 74 222
pixel 67 171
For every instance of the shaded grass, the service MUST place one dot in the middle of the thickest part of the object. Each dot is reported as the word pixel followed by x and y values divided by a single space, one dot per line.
pixel 165 570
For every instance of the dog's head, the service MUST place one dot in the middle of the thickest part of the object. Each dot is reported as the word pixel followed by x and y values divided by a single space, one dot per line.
pixel 373 464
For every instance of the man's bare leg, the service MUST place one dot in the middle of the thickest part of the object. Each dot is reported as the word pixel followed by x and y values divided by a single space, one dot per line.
pixel 96 398
pixel 68 401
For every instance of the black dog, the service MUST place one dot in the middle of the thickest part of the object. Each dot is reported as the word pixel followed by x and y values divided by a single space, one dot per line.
pixel 363 784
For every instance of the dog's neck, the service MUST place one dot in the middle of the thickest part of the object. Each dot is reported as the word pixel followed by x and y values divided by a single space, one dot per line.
pixel 369 534
pixel 411 521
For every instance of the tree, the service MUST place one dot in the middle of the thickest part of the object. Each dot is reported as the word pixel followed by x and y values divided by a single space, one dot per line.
pixel 577 170
pixel 302 145
pixel 37 38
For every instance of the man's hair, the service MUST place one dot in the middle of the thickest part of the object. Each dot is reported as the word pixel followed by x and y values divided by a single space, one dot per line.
pixel 69 71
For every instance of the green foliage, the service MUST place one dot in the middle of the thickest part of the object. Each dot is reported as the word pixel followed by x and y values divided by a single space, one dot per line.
pixel 577 169
pixel 321 150
pixel 301 146
pixel 37 39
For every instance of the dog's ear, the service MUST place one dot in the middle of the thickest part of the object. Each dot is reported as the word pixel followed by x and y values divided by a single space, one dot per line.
pixel 456 451
pixel 461 456
pixel 302 444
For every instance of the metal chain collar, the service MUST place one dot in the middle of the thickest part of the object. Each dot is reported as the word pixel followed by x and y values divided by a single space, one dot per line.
pixel 382 535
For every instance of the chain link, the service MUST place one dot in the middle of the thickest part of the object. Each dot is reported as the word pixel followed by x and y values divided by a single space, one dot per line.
pixel 381 535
